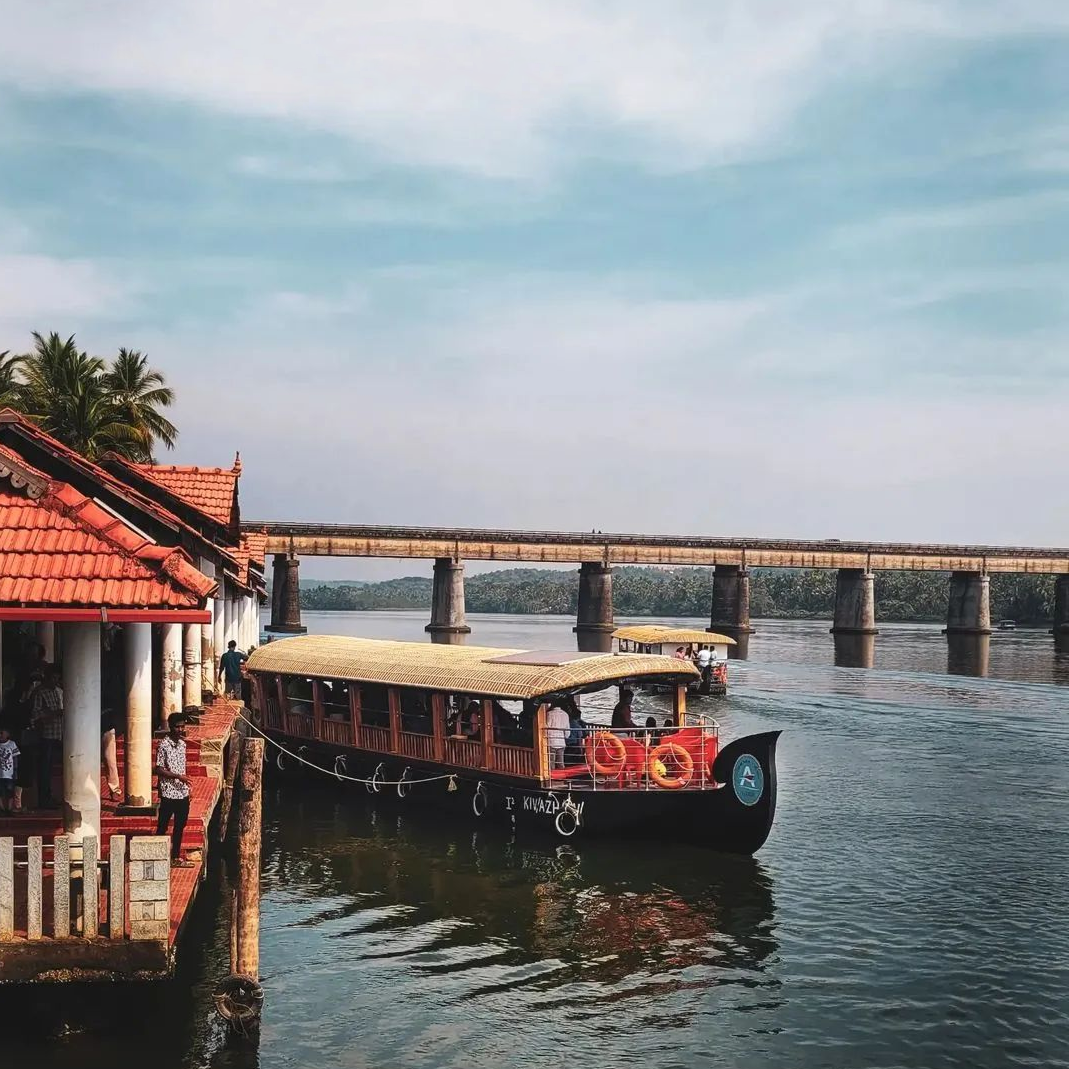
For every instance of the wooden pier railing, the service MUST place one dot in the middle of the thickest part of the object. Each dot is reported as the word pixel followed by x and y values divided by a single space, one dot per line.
pixel 58 890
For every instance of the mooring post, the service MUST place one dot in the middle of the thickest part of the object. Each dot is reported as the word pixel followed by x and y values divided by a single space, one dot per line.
pixel 248 942
pixel 230 780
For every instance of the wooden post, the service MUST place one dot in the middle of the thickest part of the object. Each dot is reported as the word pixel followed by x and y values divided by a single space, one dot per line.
pixel 230 778
pixel 680 705
pixel 541 753
pixel 487 732
pixel 395 721
pixel 317 708
pixel 283 703
pixel 438 724
pixel 355 712
pixel 248 893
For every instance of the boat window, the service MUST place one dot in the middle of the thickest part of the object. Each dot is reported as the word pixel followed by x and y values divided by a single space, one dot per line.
pixel 335 695
pixel 299 693
pixel 374 705
pixel 416 711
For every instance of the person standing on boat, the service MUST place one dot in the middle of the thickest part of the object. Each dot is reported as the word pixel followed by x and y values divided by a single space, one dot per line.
pixel 621 714
pixel 558 727
pixel 705 663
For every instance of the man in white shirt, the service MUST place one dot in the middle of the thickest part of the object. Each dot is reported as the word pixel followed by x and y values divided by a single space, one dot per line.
pixel 174 786
pixel 557 728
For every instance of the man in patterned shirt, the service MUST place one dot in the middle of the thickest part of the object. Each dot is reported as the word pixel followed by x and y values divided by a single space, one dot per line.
pixel 174 786
pixel 47 701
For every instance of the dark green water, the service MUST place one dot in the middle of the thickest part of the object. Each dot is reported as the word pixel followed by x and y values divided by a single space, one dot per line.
pixel 910 909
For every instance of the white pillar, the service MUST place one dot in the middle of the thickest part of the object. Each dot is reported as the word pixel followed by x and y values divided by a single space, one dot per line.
pixel 81 731
pixel 138 714
pixel 191 683
pixel 228 621
pixel 208 652
pixel 172 671
pixel 246 623
pixel 219 612
pixel 46 636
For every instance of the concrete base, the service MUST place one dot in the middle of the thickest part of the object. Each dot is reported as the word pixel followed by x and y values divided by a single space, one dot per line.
pixel 594 620
pixel 282 629
pixel 969 604
pixel 855 603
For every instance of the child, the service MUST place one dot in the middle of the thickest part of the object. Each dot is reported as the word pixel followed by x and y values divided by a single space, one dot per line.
pixel 9 751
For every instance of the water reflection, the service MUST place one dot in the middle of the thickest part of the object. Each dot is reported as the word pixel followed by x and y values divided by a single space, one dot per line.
pixel 449 638
pixel 968 655
pixel 855 651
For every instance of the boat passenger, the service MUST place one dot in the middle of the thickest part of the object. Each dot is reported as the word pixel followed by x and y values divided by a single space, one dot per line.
pixel 621 714
pixel 471 722
pixel 680 654
pixel 574 745
pixel 558 727
pixel 525 731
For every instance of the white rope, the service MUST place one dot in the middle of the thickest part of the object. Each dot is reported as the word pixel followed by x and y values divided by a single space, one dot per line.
pixel 336 775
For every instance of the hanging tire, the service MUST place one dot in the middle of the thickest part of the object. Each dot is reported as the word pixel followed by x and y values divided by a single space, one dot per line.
pixel 479 800
pixel 567 822
pixel 403 786
pixel 280 761
pixel 341 767
pixel 373 786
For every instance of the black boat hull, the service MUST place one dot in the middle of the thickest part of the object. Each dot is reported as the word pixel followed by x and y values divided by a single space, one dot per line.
pixel 735 817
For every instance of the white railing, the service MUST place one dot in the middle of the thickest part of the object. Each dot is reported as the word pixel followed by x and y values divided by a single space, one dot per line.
pixel 62 890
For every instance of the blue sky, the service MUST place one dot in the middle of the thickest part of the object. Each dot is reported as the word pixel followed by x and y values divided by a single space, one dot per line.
pixel 766 267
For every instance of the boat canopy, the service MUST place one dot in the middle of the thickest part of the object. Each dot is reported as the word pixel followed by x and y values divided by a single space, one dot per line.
pixel 491 673
pixel 654 634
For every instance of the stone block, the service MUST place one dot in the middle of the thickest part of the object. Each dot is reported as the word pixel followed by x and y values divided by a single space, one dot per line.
pixel 150 848
pixel 150 891
pixel 161 910
pixel 137 871
pixel 150 930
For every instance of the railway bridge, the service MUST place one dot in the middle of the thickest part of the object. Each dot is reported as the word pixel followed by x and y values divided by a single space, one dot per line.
pixel 596 553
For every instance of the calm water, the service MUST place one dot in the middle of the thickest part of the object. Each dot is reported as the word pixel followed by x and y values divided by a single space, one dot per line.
pixel 910 909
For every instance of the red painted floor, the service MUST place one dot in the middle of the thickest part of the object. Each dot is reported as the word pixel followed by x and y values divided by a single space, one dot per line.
pixel 216 722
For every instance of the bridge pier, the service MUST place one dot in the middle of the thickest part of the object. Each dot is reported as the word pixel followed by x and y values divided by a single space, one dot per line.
pixel 855 603
pixel 286 596
pixel 969 604
pixel 729 613
pixel 1060 630
pixel 448 624
pixel 593 625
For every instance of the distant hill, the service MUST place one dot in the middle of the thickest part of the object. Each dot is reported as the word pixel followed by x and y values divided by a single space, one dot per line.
pixel 660 592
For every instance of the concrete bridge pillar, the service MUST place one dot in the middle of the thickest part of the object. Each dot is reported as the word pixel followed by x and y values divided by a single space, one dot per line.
pixel 593 625
pixel 969 605
pixel 447 602
pixel 1061 607
pixel 855 603
pixel 286 596
pixel 729 613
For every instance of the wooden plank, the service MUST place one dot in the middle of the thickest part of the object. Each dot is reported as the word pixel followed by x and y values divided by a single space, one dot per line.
pixel 541 752
pixel 90 887
pixel 487 733
pixel 117 887
pixel 395 720
pixel 7 889
pixel 355 712
pixel 438 723
pixel 317 708
pixel 61 887
pixel 34 877
pixel 680 705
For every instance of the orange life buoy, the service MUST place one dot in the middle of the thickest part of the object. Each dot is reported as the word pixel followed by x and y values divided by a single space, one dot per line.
pixel 658 771
pixel 611 742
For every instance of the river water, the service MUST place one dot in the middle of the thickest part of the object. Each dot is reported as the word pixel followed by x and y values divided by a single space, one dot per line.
pixel 911 907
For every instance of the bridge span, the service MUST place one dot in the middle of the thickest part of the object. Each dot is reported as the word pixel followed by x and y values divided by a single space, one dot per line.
pixel 596 552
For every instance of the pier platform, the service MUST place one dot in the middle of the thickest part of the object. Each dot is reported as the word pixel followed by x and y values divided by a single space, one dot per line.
pixel 128 939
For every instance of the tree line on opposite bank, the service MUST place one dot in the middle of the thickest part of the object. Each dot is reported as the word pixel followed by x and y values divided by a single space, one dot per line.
pixel 659 592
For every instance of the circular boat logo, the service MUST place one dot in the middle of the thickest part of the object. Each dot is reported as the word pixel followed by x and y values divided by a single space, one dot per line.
pixel 748 779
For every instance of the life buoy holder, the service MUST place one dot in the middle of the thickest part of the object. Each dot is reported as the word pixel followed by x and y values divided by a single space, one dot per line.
pixel 341 767
pixel 376 778
pixel 479 800
pixel 403 786
pixel 610 742
pixel 655 765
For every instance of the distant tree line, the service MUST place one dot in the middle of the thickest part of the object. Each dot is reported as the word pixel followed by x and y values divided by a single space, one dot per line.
pixel 784 593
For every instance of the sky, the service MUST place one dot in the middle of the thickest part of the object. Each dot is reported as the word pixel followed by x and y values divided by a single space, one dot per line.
pixel 790 268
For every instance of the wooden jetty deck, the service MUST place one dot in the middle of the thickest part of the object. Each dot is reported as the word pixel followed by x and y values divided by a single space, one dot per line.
pixel 128 944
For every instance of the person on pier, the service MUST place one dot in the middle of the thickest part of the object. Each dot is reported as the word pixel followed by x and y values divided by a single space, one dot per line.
pixel 48 723
pixel 174 786
pixel 230 667
pixel 9 754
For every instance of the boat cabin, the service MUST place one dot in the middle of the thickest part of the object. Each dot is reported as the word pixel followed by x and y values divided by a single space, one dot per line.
pixel 479 711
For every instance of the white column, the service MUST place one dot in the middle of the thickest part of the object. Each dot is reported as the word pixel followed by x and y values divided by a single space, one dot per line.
pixel 191 683
pixel 172 671
pixel 46 636
pixel 138 714
pixel 219 615
pixel 208 652
pixel 228 621
pixel 246 623
pixel 81 731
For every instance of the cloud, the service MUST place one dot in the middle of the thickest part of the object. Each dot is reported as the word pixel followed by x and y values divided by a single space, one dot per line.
pixel 44 293
pixel 496 88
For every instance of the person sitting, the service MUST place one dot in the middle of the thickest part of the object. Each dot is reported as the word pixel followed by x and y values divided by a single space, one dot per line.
pixel 621 714
pixel 680 654
pixel 471 723
pixel 651 729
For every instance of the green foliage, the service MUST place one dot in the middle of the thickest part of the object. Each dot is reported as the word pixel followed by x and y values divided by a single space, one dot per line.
pixel 667 592
pixel 87 403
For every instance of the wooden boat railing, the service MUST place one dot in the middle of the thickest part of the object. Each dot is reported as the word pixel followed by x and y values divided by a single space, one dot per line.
pixel 338 732
pixel 374 738
pixel 300 725
pixel 514 760
pixel 464 753
pixel 418 746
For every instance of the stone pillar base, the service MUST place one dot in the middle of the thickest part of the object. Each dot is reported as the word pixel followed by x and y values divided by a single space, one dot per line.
pixel 286 629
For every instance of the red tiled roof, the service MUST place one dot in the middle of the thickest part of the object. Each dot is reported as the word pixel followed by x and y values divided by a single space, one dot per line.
pixel 211 490
pixel 250 551
pixel 59 548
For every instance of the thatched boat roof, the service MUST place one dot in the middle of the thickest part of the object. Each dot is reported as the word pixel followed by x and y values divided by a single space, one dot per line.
pixel 681 636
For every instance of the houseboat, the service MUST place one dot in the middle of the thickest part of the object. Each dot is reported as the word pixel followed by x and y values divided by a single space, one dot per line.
pixel 480 732
pixel 659 639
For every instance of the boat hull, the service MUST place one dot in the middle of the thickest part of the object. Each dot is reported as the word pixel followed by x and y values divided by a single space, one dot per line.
pixel 735 817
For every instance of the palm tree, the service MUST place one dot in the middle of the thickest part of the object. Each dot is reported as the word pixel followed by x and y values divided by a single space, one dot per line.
pixel 10 380
pixel 92 406
pixel 139 392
